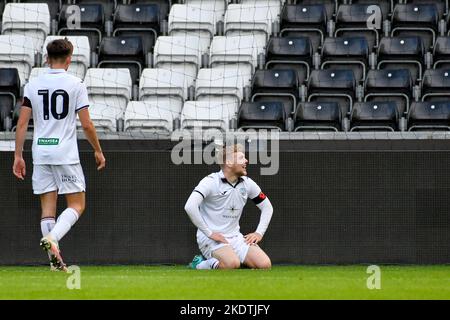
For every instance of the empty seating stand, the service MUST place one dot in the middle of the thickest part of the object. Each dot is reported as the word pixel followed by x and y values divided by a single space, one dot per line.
pixel 429 116
pixel 9 93
pixel 318 116
pixel 17 51
pixel 204 115
pixel 374 116
pixel 150 117
pixel 436 85
pixel 268 115
pixel 441 53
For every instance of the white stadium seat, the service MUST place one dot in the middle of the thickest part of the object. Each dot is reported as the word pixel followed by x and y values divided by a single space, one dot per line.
pixel 182 54
pixel 191 20
pixel 149 117
pixel 109 86
pixel 237 50
pixel 104 117
pixel 207 115
pixel 28 19
pixel 17 51
pixel 216 6
pixel 274 6
pixel 220 84
pixel 162 83
pixel 81 57
pixel 243 19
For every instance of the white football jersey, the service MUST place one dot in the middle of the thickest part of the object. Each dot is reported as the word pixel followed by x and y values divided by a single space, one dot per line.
pixel 55 98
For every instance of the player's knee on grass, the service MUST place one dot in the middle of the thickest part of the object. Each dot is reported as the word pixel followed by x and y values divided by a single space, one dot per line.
pixel 264 263
pixel 230 263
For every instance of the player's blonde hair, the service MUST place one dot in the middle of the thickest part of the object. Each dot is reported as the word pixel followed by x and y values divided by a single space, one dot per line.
pixel 224 152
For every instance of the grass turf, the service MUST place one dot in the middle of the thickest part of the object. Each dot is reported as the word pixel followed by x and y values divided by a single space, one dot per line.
pixel 282 282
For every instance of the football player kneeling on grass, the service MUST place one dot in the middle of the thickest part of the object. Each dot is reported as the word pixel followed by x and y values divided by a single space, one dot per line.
pixel 215 207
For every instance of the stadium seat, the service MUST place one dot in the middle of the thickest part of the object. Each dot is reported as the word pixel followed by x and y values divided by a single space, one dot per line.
pixel 318 116
pixel 91 24
pixel 436 85
pixel 220 84
pixel 54 6
pixel 273 5
pixel 333 85
pixel 138 20
pixel 163 86
pixel 111 87
pixel 441 53
pixel 290 53
pixel 390 85
pixel 416 19
pixel 203 115
pixel 27 19
pixel 108 6
pixel 17 51
pixel 188 20
pixel 9 93
pixel 81 57
pixel 441 5
pixel 216 6
pixel 256 20
pixel 408 52
pixel 346 53
pixel 164 6
pixel 104 117
pixel 387 6
pixel 125 52
pixel 237 52
pixel 182 54
pixel 262 115
pixel 305 20
pixel 429 116
pixel 329 5
pixel 374 116
pixel 150 117
pixel 276 85
pixel 351 21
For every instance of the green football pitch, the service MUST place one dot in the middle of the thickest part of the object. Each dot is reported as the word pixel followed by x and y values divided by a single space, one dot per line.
pixel 177 282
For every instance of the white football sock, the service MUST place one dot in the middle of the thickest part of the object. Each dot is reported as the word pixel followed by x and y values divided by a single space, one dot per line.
pixel 65 221
pixel 212 263
pixel 47 224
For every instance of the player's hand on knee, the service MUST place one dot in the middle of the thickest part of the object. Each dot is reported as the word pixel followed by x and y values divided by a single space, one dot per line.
pixel 253 238
pixel 19 169
pixel 218 237
pixel 100 160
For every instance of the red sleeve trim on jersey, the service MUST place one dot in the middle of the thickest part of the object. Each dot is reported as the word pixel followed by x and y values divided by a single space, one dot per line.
pixel 260 198
pixel 26 102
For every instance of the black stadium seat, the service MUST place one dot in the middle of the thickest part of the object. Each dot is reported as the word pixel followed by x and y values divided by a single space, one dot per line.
pixel 9 93
pixel 416 19
pixel 374 116
pixel 441 5
pixel 436 85
pixel 262 115
pixel 387 6
pixel 390 85
pixel 333 85
pixel 290 53
pixel 109 6
pixel 330 5
pixel 403 52
pixel 123 52
pixel 351 21
pixel 276 84
pixel 92 24
pixel 305 20
pixel 138 19
pixel 429 116
pixel 318 116
pixel 441 54
pixel 346 53
pixel 164 6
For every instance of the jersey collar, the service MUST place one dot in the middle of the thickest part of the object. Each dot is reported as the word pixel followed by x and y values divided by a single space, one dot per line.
pixel 224 180
pixel 50 70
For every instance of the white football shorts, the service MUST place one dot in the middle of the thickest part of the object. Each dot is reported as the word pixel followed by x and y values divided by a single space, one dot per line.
pixel 68 178
pixel 237 242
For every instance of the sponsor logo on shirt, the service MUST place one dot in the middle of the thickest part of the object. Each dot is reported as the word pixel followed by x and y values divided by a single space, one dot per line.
pixel 48 141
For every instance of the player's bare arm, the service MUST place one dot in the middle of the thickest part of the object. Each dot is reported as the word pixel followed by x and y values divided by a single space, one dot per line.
pixel 91 135
pixel 19 167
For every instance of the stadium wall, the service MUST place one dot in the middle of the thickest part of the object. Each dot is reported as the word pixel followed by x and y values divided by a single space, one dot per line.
pixel 336 202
